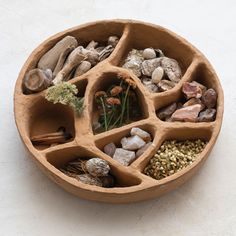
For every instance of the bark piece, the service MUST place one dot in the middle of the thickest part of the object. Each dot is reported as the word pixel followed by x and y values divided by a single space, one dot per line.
pixel 113 41
pixel 37 80
pixel 83 67
pixel 50 58
pixel 189 113
pixel 105 52
pixel 92 45
pixel 67 69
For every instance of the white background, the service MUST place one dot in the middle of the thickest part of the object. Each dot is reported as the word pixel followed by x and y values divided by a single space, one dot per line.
pixel 30 204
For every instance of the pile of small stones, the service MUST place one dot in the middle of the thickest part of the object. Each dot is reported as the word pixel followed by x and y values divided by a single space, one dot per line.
pixel 66 60
pixel 199 105
pixel 93 171
pixel 172 157
pixel 131 147
pixel 157 72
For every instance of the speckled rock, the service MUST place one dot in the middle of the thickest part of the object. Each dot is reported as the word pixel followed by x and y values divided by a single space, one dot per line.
pixel 141 133
pixel 123 156
pixel 132 143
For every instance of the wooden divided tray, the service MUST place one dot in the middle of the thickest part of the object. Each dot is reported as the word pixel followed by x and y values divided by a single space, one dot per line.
pixel 35 115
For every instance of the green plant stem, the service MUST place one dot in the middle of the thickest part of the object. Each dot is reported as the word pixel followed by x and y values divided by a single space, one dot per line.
pixel 104 111
pixel 111 117
pixel 124 105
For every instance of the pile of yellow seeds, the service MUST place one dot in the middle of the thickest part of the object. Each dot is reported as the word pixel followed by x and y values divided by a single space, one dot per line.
pixel 172 157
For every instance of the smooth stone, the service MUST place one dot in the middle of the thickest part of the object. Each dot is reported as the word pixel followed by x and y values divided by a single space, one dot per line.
pixel 110 149
pixel 207 116
pixel 132 143
pixel 191 90
pixel 157 75
pixel 166 112
pixel 141 133
pixel 209 98
pixel 124 157
pixel 143 149
pixel 188 114
pixel 149 53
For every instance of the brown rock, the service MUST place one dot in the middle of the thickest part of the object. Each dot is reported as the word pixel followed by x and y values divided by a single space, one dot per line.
pixel 191 90
pixel 194 101
pixel 207 115
pixel 189 113
pixel 209 98
pixel 110 149
pixel 143 149
pixel 166 112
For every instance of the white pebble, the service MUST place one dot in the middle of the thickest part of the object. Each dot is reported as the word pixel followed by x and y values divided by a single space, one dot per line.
pixel 132 143
pixel 149 53
pixel 157 75
pixel 141 133
pixel 125 157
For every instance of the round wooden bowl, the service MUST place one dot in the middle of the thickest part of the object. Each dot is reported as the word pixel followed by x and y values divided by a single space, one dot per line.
pixel 34 115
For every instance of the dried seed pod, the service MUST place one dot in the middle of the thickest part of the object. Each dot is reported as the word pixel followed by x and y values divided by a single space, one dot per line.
pixel 165 85
pixel 113 41
pixel 37 80
pixel 83 67
pixel 50 58
pixel 149 53
pixel 97 167
pixel 113 101
pixel 88 179
pixel 157 75
pixel 116 90
pixel 171 68
pixel 148 66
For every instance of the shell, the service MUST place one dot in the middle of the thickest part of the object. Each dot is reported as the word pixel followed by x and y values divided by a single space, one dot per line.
pixel 148 66
pixel 97 167
pixel 157 75
pixel 171 68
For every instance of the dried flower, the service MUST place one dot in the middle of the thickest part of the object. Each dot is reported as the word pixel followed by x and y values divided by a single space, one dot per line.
pixel 65 93
pixel 127 79
pixel 116 90
pixel 100 94
pixel 113 101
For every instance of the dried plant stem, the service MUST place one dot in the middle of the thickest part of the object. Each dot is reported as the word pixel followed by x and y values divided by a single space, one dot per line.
pixel 124 105
pixel 105 114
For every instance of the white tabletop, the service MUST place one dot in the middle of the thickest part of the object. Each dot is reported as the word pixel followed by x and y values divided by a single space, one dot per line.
pixel 30 204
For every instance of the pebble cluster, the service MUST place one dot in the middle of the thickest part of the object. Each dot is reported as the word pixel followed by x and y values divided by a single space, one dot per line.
pixel 172 157
pixel 157 72
pixel 131 147
pixel 199 105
